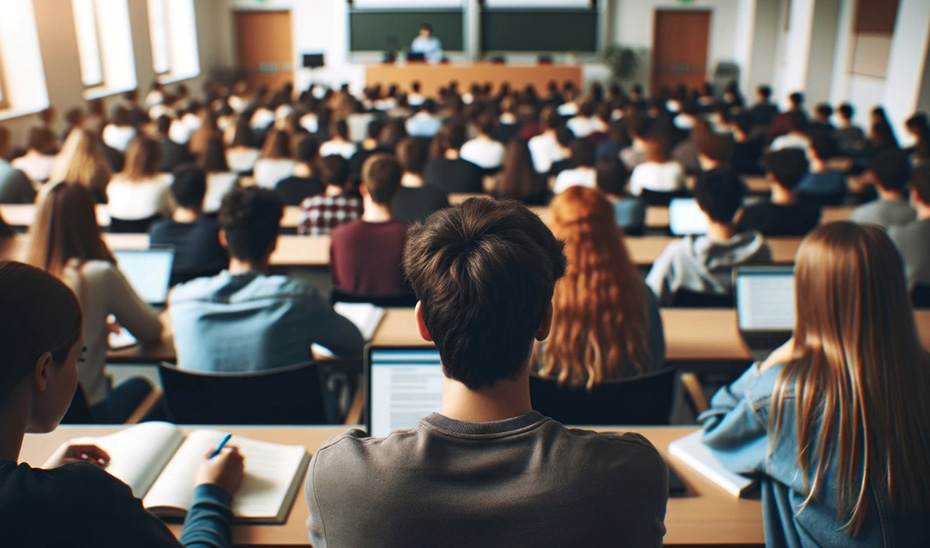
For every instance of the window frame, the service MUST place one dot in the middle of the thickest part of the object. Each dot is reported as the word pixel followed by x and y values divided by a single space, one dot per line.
pixel 166 37
pixel 99 52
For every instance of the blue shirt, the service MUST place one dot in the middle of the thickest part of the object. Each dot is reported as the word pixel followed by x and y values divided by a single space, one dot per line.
pixel 430 47
pixel 254 322
pixel 737 427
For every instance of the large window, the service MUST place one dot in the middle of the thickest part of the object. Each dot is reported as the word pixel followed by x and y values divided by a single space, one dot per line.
pixel 23 88
pixel 104 41
pixel 172 27
pixel 85 22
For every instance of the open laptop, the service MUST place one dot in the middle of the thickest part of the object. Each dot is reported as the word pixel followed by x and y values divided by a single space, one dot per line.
pixel 148 271
pixel 764 307
pixel 404 384
pixel 685 218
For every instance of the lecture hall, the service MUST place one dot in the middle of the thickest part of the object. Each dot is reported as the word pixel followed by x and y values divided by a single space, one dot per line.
pixel 418 273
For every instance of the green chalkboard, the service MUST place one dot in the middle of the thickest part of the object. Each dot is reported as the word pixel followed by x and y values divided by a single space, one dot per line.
pixel 539 30
pixel 382 30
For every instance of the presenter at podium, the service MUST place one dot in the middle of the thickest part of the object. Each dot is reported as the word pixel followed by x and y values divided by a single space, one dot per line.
pixel 427 44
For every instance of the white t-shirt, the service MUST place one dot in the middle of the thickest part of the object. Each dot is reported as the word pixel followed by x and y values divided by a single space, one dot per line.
pixel 580 176
pixel 135 200
pixel 241 160
pixel 118 137
pixel 484 153
pixel 269 172
pixel 581 126
pixel 346 150
pixel 310 122
pixel 665 177
pixel 37 167
pixel 218 185
pixel 545 150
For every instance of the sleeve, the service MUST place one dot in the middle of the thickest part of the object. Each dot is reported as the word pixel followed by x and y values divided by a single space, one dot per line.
pixel 207 522
pixel 660 273
pixel 636 184
pixel 732 427
pixel 335 332
pixel 315 529
pixel 130 311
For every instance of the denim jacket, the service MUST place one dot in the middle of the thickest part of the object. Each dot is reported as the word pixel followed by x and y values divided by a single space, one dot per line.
pixel 737 428
pixel 252 322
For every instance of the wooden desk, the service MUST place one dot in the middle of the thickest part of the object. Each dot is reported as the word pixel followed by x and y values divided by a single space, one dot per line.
pixel 657 216
pixel 706 515
pixel 434 77
pixel 23 215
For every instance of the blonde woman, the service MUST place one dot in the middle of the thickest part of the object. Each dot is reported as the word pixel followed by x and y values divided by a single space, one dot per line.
pixel 276 162
pixel 605 322
pixel 81 161
pixel 139 195
pixel 835 421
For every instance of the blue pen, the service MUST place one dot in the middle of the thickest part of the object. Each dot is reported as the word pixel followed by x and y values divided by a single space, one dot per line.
pixel 221 445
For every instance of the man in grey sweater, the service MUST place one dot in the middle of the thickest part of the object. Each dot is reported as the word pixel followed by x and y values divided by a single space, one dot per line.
pixel 913 239
pixel 487 470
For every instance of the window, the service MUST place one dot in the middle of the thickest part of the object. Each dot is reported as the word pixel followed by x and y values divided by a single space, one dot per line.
pixel 85 22
pixel 104 42
pixel 172 27
pixel 23 89
pixel 159 31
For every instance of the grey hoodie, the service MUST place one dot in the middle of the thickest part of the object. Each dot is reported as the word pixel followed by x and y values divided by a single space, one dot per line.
pixel 703 265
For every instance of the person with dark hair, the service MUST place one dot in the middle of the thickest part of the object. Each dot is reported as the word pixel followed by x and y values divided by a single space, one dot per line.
pixel 913 239
pixel 889 171
pixel 39 158
pixel 15 187
pixel 427 44
pixel 483 150
pixel 245 319
pixel 370 146
pixel 822 185
pixel 850 139
pixel 585 122
pixel 241 154
pixel 337 205
pixel 276 160
pixel 173 155
pixel 339 142
pixel 140 194
pixel 221 179
pixel 747 148
pixel 820 127
pixel 450 172
pixel 545 148
pixel 658 173
pixel 782 123
pixel 629 211
pixel 120 131
pixel 423 123
pixel 881 134
pixel 416 200
pixel 785 213
pixel 475 461
pixel 763 113
pixel 518 179
pixel 713 149
pixel 305 181
pixel 365 255
pixel 796 136
pixel 581 172
pixel 197 249
pixel 918 126
pixel 703 264
pixel 42 348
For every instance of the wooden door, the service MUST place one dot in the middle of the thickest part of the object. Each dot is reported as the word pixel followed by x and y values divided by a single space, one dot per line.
pixel 264 49
pixel 679 48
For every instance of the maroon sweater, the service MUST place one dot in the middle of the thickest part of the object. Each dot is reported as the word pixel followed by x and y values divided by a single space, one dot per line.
pixel 365 258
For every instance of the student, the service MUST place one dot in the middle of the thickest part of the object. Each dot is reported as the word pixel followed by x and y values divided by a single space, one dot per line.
pixel 785 213
pixel 365 255
pixel 605 323
pixel 42 349
pixel 220 178
pixel 889 171
pixel 763 112
pixel 450 172
pixel 15 186
pixel 850 139
pixel 797 136
pixel 304 182
pixel 368 148
pixel 423 123
pixel 322 213
pixel 415 201
pixel 582 172
pixel 629 211
pixel 7 239
pixel 65 241
pixel 339 142
pixel 139 195
pixel 657 173
pixel 471 475
pixel 913 238
pixel 276 162
pixel 120 131
pixel 918 127
pixel 197 249
pixel 519 179
pixel 545 147
pixel 703 264
pixel 245 319
pixel 822 129
pixel 483 150
pixel 39 157
pixel 81 161
pixel 821 185
pixel 241 155
pixel 834 421
pixel 782 124
pixel 585 123
pixel 173 154
pixel 427 44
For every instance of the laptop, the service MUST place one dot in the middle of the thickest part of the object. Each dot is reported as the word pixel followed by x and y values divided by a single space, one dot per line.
pixel 685 218
pixel 404 384
pixel 764 307
pixel 148 272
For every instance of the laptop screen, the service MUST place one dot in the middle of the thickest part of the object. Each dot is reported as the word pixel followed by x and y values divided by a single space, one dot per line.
pixel 685 217
pixel 404 385
pixel 148 271
pixel 765 298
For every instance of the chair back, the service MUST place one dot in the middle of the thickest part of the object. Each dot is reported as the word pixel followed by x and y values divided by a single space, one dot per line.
pixel 641 400
pixel 289 395
pixel 921 296
pixel 656 198
pixel 404 300
pixel 684 298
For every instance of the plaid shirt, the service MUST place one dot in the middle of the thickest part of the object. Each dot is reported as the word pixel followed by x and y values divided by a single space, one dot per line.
pixel 320 214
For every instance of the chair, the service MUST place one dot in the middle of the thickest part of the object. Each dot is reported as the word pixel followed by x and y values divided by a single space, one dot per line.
pixel 654 198
pixel 122 226
pixel 289 395
pixel 684 298
pixel 79 410
pixel 921 296
pixel 404 300
pixel 641 400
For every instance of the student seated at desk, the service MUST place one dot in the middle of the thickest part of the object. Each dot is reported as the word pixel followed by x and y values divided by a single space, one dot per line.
pixel 81 161
pixel 785 213
pixel 197 249
pixel 582 171
pixel 244 319
pixel 518 179
pixel 368 148
pixel 835 421
pixel 821 185
pixel 322 213
pixel 487 470
pixel 365 255
pixel 606 322
pixel 483 150
pixel 40 155
pixel 416 200
pixel 70 500
pixel 450 172
pixel 275 162
pixel 139 195
pixel 703 264
pixel 913 238
pixel 15 186
pixel 305 181
pixel 889 171
pixel 629 211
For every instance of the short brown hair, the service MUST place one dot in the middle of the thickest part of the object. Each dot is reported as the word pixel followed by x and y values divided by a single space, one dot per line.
pixel 412 154
pixel 715 146
pixel 381 175
pixel 920 182
pixel 484 273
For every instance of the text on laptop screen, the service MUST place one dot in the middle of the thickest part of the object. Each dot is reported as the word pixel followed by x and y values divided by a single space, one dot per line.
pixel 686 218
pixel 148 272
pixel 765 299
pixel 405 386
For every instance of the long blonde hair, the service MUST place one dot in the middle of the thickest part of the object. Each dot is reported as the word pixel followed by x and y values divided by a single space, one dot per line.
pixel 143 160
pixel 600 322
pixel 80 161
pixel 859 374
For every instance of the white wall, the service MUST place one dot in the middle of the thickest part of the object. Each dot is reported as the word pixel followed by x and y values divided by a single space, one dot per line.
pixel 907 62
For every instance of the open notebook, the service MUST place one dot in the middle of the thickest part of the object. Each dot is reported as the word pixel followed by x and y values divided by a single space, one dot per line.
pixel 159 463
pixel 365 316
pixel 692 451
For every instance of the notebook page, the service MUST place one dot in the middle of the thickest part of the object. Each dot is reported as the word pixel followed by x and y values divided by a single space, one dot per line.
pixel 272 474
pixel 174 488
pixel 138 454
